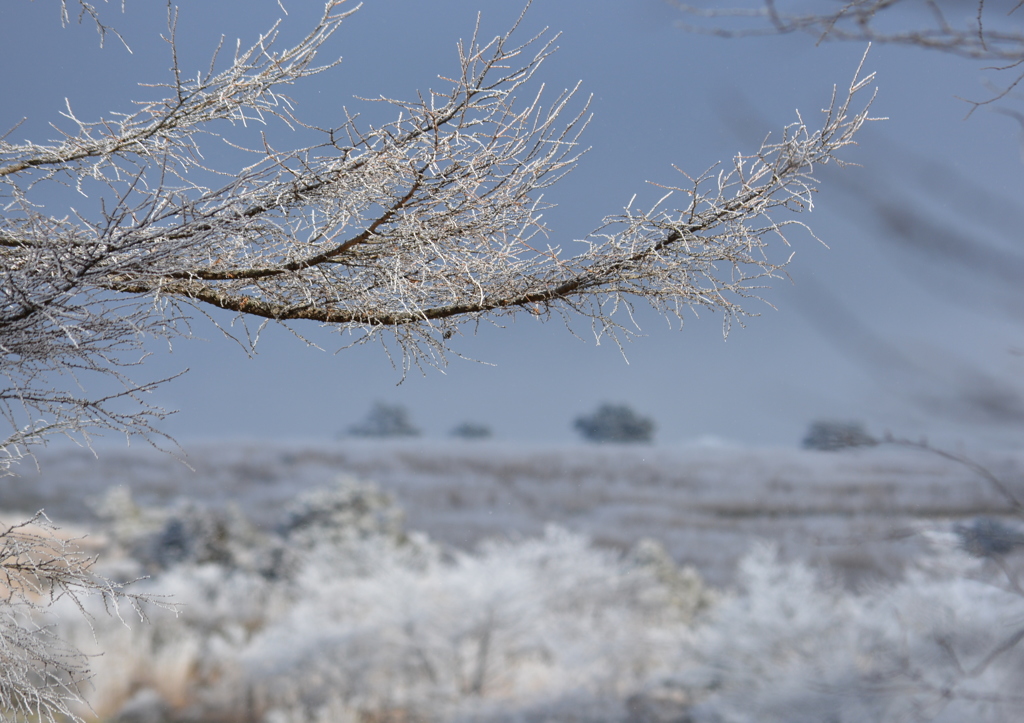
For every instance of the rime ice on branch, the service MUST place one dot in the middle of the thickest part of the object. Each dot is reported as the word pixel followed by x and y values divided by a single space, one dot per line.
pixel 404 231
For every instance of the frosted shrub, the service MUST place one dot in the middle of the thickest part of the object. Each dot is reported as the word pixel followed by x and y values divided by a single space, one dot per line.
pixel 190 534
pixel 515 624
pixel 354 528
pixel 183 662
pixel 161 538
pixel 349 511
pixel 940 645
pixel 684 588
pixel 364 620
pixel 123 519
pixel 987 537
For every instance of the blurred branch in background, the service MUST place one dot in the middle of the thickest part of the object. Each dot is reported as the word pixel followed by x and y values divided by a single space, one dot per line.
pixel 935 381
pixel 983 30
pixel 946 234
pixel 960 243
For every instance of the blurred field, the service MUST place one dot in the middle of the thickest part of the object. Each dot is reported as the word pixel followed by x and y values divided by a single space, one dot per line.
pixel 857 512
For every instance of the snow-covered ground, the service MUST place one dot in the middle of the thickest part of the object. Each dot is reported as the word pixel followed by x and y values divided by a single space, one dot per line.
pixel 538 583
pixel 857 510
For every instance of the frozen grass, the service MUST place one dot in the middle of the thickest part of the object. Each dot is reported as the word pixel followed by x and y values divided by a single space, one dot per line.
pixel 941 644
pixel 354 617
pixel 329 608
pixel 857 511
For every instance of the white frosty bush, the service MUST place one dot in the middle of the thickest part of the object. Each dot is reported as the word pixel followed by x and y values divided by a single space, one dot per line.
pixel 186 532
pixel 940 645
pixel 514 622
pixel 361 621
pixel 368 620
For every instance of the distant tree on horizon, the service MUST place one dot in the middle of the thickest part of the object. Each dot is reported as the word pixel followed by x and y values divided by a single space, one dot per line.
pixel 472 430
pixel 831 435
pixel 385 420
pixel 615 423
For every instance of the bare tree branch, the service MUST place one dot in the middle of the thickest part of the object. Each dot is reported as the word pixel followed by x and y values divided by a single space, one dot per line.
pixel 40 673
pixel 412 228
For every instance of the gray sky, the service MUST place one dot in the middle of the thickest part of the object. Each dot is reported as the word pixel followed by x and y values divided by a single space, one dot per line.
pixel 909 321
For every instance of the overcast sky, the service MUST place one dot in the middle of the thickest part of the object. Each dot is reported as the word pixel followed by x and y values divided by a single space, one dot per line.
pixel 909 321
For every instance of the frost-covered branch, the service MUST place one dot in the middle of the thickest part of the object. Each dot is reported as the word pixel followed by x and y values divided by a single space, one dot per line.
pixel 40 672
pixel 410 228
